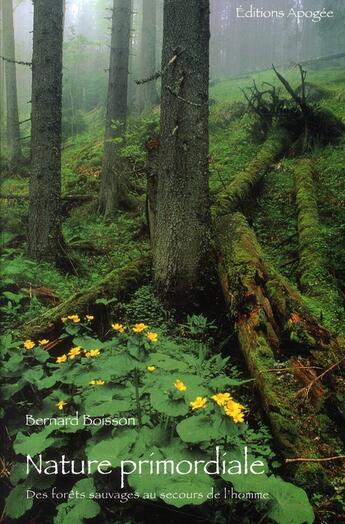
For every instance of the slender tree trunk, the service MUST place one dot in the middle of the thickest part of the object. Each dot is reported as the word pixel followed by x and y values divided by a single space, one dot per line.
pixel 2 88
pixel 147 92
pixel 113 191
pixel 182 226
pixel 13 131
pixel 45 182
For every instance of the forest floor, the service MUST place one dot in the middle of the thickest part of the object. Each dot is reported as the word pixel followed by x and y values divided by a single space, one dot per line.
pixel 97 247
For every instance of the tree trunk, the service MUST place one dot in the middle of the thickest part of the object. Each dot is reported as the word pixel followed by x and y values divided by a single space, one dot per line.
pixel 182 225
pixel 147 91
pixel 276 332
pixel 2 88
pixel 13 131
pixel 113 191
pixel 44 235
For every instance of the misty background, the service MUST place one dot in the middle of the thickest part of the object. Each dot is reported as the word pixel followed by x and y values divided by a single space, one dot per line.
pixel 237 46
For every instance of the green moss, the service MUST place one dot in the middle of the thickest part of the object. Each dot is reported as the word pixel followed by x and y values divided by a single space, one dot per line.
pixel 315 278
pixel 311 475
pixel 242 186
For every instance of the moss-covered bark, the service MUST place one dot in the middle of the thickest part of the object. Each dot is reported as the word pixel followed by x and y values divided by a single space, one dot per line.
pixel 275 328
pixel 314 276
pixel 242 186
pixel 117 284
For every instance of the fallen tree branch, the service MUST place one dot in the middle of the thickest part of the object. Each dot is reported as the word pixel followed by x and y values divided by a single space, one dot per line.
pixel 314 277
pixel 326 459
pixel 241 188
pixel 117 284
pixel 307 389
pixel 67 198
pixel 273 324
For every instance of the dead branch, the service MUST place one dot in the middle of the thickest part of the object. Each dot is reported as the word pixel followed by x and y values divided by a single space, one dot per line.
pixel 29 64
pixel 307 389
pixel 303 459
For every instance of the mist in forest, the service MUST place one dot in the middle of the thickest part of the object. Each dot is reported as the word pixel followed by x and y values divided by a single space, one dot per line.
pixel 246 36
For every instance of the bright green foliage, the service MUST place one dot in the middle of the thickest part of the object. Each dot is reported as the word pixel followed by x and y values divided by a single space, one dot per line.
pixel 142 379
pixel 76 510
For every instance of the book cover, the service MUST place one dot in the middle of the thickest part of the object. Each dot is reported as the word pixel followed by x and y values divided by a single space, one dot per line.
pixel 173 261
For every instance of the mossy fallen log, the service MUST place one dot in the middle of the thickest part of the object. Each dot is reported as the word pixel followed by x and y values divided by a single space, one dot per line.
pixel 242 186
pixel 314 277
pixel 117 284
pixel 276 332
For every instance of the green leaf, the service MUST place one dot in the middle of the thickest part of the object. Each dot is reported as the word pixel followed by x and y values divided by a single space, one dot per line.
pixel 167 363
pixel 41 355
pixel 33 375
pixel 105 400
pixel 8 390
pixel 47 382
pixel 161 484
pixel 222 382
pixel 199 428
pixel 76 510
pixel 113 449
pixel 290 503
pixel 18 472
pixel 34 443
pixel 14 297
pixel 164 404
pixel 12 365
pixel 87 343
pixel 17 504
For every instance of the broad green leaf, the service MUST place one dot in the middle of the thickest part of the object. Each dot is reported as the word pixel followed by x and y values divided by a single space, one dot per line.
pixel 33 375
pixel 290 503
pixel 199 428
pixel 76 510
pixel 113 449
pixel 164 404
pixel 17 503
pixel 87 343
pixel 34 443
pixel 18 472
pixel 163 484
pixel 167 363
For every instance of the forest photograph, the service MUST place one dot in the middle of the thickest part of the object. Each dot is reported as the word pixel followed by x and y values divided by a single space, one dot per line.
pixel 172 293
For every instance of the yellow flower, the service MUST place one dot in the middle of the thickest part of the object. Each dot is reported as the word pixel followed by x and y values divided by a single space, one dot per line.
pixel 151 368
pixel 64 319
pixel 89 317
pixel 138 328
pixel 118 327
pixel 221 398
pixel 43 342
pixel 74 352
pixel 238 417
pixel 199 402
pixel 92 353
pixel 74 318
pixel 180 385
pixel 60 360
pixel 234 410
pixel 96 382
pixel 61 404
pixel 152 337
pixel 29 344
